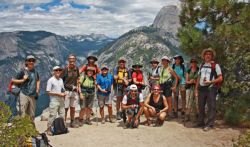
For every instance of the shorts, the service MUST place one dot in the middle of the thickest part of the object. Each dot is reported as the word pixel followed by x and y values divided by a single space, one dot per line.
pixel 181 87
pixel 166 89
pixel 88 100
pixel 131 112
pixel 55 107
pixel 28 105
pixel 119 92
pixel 104 100
pixel 71 99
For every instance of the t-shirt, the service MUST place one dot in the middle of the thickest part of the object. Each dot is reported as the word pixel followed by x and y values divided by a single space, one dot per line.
pixel 55 85
pixel 205 72
pixel 139 77
pixel 121 73
pixel 105 82
pixel 70 77
pixel 29 86
pixel 165 74
pixel 125 99
pixel 179 72
pixel 155 73
pixel 87 82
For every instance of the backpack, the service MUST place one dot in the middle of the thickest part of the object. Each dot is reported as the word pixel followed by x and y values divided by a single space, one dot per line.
pixel 14 89
pixel 213 74
pixel 38 141
pixel 123 73
pixel 66 71
pixel 58 126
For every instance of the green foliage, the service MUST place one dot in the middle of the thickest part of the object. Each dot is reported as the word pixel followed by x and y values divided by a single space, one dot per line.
pixel 243 140
pixel 227 30
pixel 14 133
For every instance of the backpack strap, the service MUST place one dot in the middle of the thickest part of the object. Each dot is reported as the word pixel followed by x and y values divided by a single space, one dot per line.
pixel 213 71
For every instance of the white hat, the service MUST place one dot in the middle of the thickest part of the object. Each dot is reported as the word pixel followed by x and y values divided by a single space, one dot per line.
pixel 165 58
pixel 133 87
pixel 56 67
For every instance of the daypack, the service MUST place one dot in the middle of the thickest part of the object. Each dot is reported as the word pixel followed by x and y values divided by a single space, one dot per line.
pixel 14 89
pixel 38 141
pixel 121 74
pixel 213 74
pixel 66 71
pixel 58 126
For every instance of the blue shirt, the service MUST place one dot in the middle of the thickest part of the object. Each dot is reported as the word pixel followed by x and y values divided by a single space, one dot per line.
pixel 179 72
pixel 105 83
pixel 29 86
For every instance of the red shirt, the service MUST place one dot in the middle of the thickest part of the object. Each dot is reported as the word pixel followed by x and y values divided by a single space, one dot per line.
pixel 138 75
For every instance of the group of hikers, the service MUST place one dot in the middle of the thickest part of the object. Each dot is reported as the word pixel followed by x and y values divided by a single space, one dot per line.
pixel 71 86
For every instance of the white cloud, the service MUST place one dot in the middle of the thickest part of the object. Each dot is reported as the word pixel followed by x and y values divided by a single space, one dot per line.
pixel 25 1
pixel 110 17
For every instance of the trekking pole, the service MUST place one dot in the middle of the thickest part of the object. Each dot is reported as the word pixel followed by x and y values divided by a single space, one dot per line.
pixel 96 105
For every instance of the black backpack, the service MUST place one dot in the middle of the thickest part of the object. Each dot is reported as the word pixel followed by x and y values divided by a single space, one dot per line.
pixel 58 126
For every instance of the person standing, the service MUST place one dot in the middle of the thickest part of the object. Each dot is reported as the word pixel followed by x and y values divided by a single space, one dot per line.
pixel 154 74
pixel 165 81
pixel 209 80
pixel 137 77
pixel 191 79
pixel 104 83
pixel 55 89
pixel 121 77
pixel 180 70
pixel 30 81
pixel 87 94
pixel 70 76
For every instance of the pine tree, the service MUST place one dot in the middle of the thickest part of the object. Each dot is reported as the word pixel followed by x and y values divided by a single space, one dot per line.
pixel 225 26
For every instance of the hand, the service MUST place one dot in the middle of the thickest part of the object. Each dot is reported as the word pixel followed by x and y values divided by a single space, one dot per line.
pixel 207 82
pixel 104 91
pixel 136 122
pixel 192 81
pixel 132 106
pixel 196 93
pixel 25 77
pixel 153 109
pixel 81 96
pixel 62 94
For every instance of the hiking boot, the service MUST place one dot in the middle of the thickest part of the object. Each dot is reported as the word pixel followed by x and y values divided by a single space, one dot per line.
pixel 118 116
pixel 111 120
pixel 73 124
pixel 103 121
pixel 175 115
pixel 198 125
pixel 81 122
pixel 207 128
pixel 127 125
pixel 88 122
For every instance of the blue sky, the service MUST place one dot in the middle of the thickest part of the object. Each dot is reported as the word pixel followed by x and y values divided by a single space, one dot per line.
pixel 69 17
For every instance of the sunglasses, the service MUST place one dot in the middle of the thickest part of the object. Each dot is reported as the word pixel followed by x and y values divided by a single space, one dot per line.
pixel 31 60
pixel 122 62
pixel 156 89
pixel 58 70
pixel 133 90
pixel 154 62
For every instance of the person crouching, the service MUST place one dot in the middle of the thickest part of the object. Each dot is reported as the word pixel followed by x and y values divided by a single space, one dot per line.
pixel 133 104
pixel 156 105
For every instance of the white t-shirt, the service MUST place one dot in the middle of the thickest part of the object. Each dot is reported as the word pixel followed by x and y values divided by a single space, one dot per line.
pixel 55 85
pixel 125 99
pixel 205 72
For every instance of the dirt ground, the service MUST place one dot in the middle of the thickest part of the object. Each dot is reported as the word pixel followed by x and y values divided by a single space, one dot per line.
pixel 173 134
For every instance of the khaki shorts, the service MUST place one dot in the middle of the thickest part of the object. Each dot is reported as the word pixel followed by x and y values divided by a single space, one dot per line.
pixel 88 100
pixel 104 100
pixel 71 99
pixel 28 105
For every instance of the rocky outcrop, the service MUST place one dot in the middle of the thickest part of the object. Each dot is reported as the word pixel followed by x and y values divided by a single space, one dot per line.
pixel 168 19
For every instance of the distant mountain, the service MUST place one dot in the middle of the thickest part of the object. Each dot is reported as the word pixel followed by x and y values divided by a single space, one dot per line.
pixel 144 43
pixel 49 49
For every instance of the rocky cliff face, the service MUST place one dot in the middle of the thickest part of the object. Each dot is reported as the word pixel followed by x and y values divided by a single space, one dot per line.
pixel 143 43
pixel 167 19
pixel 49 49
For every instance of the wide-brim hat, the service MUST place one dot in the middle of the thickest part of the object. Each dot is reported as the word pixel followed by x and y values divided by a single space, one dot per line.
pixel 180 57
pixel 122 59
pixel 92 57
pixel 137 65
pixel 193 60
pixel 165 58
pixel 208 50
pixel 154 60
